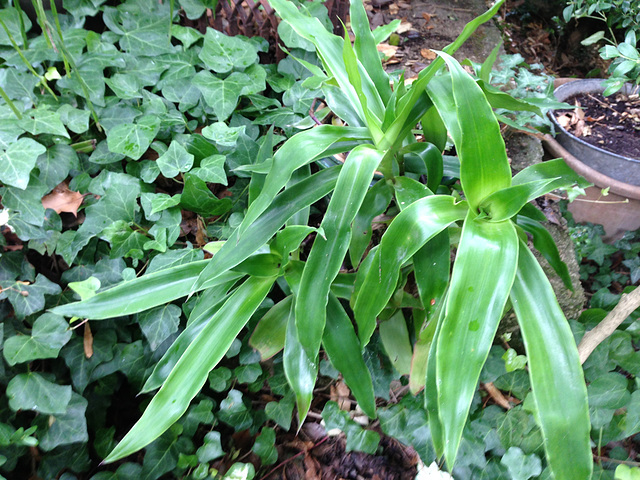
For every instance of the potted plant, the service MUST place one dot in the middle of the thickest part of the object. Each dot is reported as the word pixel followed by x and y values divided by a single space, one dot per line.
pixel 590 138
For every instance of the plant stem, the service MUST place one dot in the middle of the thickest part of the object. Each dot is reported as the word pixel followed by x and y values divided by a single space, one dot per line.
pixel 54 11
pixel 25 61
pixel 23 32
pixel 8 101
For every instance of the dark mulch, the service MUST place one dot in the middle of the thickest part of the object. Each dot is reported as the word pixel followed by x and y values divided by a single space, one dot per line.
pixel 314 456
pixel 611 123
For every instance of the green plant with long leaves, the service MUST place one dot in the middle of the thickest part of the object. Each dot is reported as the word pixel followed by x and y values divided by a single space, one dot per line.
pixel 457 312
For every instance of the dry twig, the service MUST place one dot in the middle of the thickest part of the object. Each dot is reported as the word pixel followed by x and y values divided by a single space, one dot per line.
pixel 627 304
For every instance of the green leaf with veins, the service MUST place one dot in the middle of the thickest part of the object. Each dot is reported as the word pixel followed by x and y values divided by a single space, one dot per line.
pixel 11 18
pixel 221 95
pixel 27 298
pixel 31 391
pixel 49 334
pixel 75 119
pixel 222 53
pixel 18 160
pixel 221 134
pixel 55 165
pixel 234 412
pixel 175 160
pixel 71 427
pixel 159 323
pixel 28 203
pixel 211 170
pixel 197 197
pixel 211 448
pixel 133 140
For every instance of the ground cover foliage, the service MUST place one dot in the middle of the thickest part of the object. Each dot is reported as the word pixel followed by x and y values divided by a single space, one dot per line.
pixel 125 153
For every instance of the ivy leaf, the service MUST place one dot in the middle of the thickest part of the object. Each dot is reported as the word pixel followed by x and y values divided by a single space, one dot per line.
pixel 49 334
pixel 608 391
pixel 222 53
pixel 222 134
pixel 79 365
pixel 54 167
pixel 634 268
pixel 219 379
pixel 247 373
pixel 161 456
pixel 211 448
pixel 202 413
pixel 30 391
pixel 27 298
pixel 11 19
pixel 521 466
pixel 28 203
pixel 175 160
pixel 126 471
pixel 197 197
pixel 133 139
pixel 221 95
pixel 281 412
pixel 75 119
pixel 159 323
pixel 71 427
pixel 264 446
pixel 211 170
pixel 43 120
pixel 234 412
pixel 18 160
pixel 125 242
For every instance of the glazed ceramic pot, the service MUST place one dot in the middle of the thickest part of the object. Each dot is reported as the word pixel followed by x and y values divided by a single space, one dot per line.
pixel 619 211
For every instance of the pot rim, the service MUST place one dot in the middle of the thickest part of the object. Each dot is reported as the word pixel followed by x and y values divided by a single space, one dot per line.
pixel 599 179
pixel 597 83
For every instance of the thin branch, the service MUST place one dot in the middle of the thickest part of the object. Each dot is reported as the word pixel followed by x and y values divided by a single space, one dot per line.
pixel 627 304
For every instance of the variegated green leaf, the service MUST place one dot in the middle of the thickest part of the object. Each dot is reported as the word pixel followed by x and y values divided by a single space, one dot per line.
pixel 557 381
pixel 191 372
pixel 328 252
pixel 482 276
pixel 407 233
pixel 343 348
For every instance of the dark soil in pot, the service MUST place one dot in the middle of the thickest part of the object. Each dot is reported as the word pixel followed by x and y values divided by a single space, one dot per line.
pixel 611 123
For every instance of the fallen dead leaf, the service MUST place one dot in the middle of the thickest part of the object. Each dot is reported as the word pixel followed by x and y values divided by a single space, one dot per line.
pixel 61 199
pixel 393 9
pixel 87 341
pixel 404 27
pixel 428 54
pixel 388 50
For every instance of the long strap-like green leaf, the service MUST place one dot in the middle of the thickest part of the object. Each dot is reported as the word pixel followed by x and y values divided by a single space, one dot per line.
pixel 481 280
pixel 236 249
pixel 145 292
pixel 343 348
pixel 407 233
pixel 484 167
pixel 328 251
pixel 191 372
pixel 557 381
pixel 300 150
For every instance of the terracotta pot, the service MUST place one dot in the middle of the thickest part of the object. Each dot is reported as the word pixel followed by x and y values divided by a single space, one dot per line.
pixel 619 211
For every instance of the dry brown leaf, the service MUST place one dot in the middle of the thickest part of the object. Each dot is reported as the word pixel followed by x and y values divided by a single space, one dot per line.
pixel 388 50
pixel 87 340
pixel 393 9
pixel 428 54
pixel 201 233
pixel 61 199
pixel 426 16
pixel 404 27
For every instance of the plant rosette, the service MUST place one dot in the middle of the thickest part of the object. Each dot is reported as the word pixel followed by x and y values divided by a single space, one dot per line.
pixel 614 202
